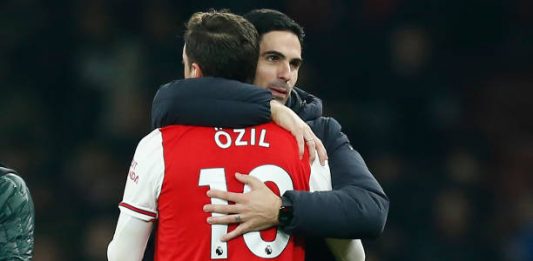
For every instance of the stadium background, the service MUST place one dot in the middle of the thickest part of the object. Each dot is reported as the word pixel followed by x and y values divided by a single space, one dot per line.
pixel 434 94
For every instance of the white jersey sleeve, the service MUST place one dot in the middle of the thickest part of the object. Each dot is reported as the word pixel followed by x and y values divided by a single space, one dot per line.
pixel 145 178
pixel 320 179
pixel 342 249
pixel 129 241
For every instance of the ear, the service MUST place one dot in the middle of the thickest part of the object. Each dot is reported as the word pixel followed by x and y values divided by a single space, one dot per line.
pixel 196 71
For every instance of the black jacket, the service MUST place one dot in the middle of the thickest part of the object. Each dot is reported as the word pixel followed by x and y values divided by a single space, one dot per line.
pixel 356 208
pixel 210 102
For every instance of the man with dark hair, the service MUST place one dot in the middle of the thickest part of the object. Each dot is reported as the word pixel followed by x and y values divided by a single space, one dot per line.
pixel 174 167
pixel 218 47
pixel 16 217
pixel 356 208
pixel 269 20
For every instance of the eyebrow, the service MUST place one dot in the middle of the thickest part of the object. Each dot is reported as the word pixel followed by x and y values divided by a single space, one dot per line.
pixel 271 52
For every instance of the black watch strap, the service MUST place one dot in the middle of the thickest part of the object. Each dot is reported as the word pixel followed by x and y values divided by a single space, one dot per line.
pixel 285 212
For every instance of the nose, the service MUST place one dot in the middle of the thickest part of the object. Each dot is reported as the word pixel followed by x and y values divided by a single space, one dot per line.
pixel 284 71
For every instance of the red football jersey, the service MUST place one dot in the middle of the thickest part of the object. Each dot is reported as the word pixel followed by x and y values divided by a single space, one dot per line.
pixel 175 166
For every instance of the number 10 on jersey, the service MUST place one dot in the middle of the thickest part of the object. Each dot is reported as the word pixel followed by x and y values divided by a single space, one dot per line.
pixel 216 179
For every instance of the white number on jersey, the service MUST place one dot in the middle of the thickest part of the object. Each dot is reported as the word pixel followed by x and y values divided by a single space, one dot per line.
pixel 216 179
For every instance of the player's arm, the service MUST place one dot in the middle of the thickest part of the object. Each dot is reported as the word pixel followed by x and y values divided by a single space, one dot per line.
pixel 138 208
pixel 217 102
pixel 346 249
pixel 130 238
pixel 212 102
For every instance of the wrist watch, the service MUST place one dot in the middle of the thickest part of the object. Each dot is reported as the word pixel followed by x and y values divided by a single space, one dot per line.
pixel 285 212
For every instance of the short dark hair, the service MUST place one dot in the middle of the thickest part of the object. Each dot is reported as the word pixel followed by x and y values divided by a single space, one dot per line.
pixel 268 20
pixel 223 44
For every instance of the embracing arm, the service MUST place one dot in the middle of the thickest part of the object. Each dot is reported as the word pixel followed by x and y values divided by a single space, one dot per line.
pixel 356 208
pixel 217 102
pixel 210 101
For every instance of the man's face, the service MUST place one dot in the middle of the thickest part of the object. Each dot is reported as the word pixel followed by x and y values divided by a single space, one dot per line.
pixel 280 57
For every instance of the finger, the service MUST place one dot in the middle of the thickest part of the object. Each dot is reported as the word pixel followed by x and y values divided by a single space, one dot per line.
pixel 322 153
pixel 251 181
pixel 311 146
pixel 221 209
pixel 224 195
pixel 300 140
pixel 239 230
pixel 224 220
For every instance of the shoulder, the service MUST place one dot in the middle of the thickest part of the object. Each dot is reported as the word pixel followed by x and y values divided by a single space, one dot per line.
pixel 329 130
pixel 325 127
pixel 151 138
pixel 150 146
pixel 9 180
pixel 13 179
pixel 12 187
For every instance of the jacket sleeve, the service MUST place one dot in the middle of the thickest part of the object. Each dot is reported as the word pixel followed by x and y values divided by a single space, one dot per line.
pixel 356 208
pixel 17 216
pixel 210 101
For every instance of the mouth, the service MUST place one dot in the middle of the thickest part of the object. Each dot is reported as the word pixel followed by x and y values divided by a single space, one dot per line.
pixel 278 92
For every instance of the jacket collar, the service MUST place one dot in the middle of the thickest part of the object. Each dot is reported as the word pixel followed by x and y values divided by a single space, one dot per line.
pixel 306 105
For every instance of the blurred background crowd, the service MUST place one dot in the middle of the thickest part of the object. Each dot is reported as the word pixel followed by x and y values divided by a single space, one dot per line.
pixel 432 93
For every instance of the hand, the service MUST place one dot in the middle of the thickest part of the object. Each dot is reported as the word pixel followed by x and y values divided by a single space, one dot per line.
pixel 290 121
pixel 254 210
